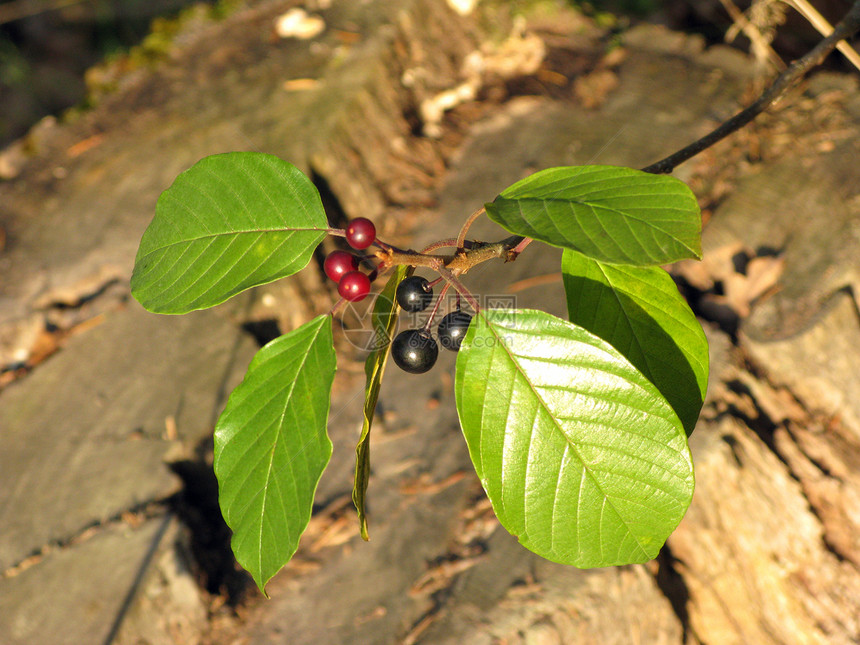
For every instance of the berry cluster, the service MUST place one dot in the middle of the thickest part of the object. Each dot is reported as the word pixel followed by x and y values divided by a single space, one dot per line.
pixel 342 266
pixel 414 350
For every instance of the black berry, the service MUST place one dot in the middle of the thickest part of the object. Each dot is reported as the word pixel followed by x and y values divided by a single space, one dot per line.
pixel 360 233
pixel 452 330
pixel 414 293
pixel 414 351
pixel 338 263
pixel 353 286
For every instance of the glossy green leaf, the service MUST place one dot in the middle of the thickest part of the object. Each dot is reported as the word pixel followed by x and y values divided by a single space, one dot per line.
pixel 582 458
pixel 383 320
pixel 230 222
pixel 272 445
pixel 641 313
pixel 611 214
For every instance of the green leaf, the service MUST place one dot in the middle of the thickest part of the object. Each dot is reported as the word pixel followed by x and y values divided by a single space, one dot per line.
pixel 230 222
pixel 582 458
pixel 384 320
pixel 640 312
pixel 611 214
pixel 272 445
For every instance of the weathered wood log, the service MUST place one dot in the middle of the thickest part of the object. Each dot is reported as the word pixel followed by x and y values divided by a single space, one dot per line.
pixel 767 553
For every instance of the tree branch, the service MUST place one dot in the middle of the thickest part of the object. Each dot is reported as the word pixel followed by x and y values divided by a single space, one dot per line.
pixel 450 267
pixel 19 9
pixel 817 20
pixel 849 26
pixel 458 263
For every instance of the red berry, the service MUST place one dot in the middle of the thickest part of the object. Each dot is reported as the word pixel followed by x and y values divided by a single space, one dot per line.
pixel 354 286
pixel 360 233
pixel 338 263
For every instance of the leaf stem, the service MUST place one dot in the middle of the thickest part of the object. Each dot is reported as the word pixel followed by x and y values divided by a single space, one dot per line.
pixel 336 306
pixel 382 245
pixel 438 302
pixel 514 252
pixel 367 261
pixel 448 243
pixel 460 288
pixel 461 238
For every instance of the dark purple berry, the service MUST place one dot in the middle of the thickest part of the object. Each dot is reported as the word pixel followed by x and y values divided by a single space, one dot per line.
pixel 414 293
pixel 353 286
pixel 338 263
pixel 360 233
pixel 414 351
pixel 452 330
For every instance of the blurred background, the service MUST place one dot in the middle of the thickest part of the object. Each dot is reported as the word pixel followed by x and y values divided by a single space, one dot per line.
pixel 47 46
pixel 111 529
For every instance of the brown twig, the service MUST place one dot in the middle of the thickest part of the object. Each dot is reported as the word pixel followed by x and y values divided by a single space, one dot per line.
pixel 450 267
pixel 759 44
pixel 19 9
pixel 458 263
pixel 849 26
pixel 467 256
pixel 817 20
